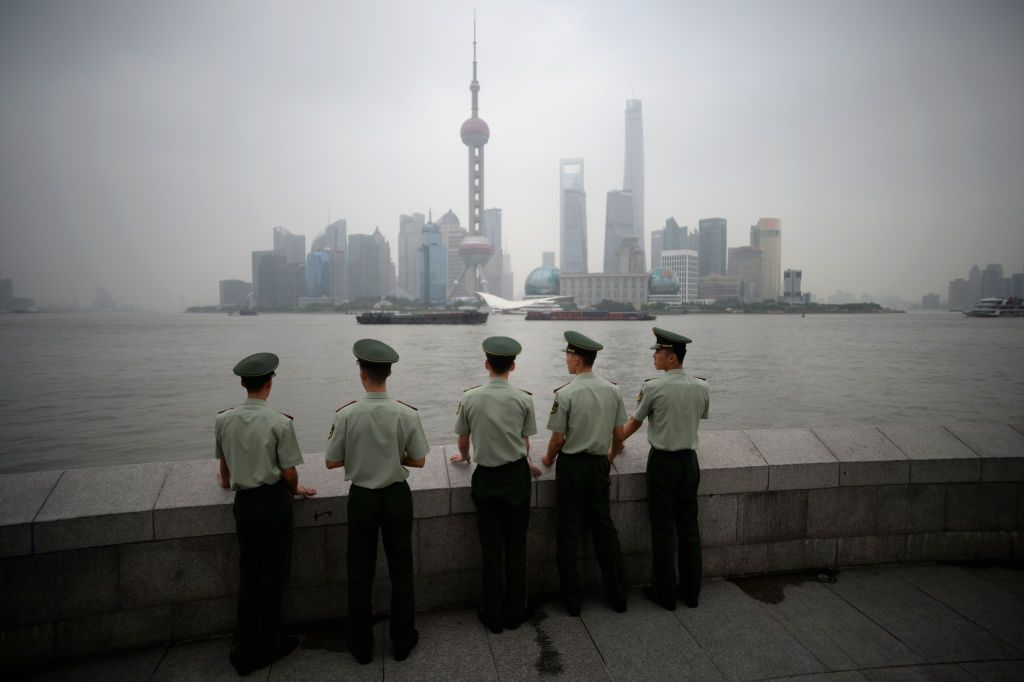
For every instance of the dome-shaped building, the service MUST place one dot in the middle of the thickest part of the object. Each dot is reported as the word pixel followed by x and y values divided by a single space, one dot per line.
pixel 543 281
pixel 663 282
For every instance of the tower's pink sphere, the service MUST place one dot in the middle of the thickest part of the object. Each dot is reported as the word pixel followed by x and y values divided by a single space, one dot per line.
pixel 475 250
pixel 475 132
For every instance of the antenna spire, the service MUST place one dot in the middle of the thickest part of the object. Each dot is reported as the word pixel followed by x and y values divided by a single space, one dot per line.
pixel 474 87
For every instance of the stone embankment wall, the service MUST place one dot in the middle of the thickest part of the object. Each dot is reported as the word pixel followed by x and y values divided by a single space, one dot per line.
pixel 114 557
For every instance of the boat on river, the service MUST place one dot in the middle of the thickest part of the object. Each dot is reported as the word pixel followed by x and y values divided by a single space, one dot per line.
pixel 587 315
pixel 430 317
pixel 997 307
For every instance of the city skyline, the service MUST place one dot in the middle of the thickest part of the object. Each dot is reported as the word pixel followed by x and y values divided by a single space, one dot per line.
pixel 136 141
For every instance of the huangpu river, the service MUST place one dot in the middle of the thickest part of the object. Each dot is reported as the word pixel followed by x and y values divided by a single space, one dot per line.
pixel 90 389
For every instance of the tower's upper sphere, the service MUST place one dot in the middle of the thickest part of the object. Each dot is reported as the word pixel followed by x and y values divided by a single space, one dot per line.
pixel 475 249
pixel 475 132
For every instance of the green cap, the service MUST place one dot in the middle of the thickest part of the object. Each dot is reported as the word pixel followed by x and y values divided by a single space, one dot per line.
pixel 578 343
pixel 667 339
pixel 502 346
pixel 372 350
pixel 257 365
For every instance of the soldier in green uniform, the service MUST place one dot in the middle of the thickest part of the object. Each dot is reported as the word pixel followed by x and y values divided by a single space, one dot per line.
pixel 258 453
pixel 375 439
pixel 675 403
pixel 586 423
pixel 499 420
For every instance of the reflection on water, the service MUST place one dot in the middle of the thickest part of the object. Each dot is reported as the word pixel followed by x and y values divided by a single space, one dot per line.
pixel 91 389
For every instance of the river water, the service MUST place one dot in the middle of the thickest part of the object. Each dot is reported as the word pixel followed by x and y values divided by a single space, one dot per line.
pixel 94 389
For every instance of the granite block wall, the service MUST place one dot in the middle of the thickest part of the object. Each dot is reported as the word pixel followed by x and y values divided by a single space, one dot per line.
pixel 113 557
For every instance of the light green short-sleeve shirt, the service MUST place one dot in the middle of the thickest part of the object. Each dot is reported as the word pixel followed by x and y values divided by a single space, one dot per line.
pixel 675 404
pixel 587 410
pixel 256 442
pixel 372 436
pixel 498 417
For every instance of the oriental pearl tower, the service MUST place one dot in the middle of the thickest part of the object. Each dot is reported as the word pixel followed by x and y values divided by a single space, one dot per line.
pixel 475 249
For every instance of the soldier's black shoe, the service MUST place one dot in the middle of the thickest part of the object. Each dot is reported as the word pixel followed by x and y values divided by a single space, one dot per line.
pixel 652 596
pixel 362 654
pixel 492 626
pixel 402 652
pixel 572 608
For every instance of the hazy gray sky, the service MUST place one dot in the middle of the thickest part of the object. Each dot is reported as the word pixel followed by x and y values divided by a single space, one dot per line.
pixel 150 147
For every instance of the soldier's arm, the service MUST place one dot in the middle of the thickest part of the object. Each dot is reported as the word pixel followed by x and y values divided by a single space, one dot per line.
pixel 463 455
pixel 555 444
pixel 224 476
pixel 618 435
pixel 291 479
pixel 416 445
pixel 631 426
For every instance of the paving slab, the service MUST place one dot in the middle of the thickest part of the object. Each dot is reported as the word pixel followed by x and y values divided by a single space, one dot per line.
pixel 191 502
pixel 101 506
pixel 323 655
pixel 924 673
pixel 21 498
pixel 866 457
pixel 551 644
pixel 647 643
pixel 983 602
pixel 453 646
pixel 1006 578
pixel 838 635
pixel 932 629
pixel 135 664
pixel 741 637
pixel 996 671
pixel 729 463
pixel 205 659
pixel 936 455
pixel 798 459
pixel 1000 446
pixel 845 676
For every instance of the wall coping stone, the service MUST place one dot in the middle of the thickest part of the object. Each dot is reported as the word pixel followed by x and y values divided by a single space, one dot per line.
pixel 53 510
pixel 866 457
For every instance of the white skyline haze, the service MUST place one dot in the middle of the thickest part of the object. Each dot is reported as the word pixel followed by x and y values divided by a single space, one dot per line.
pixel 149 148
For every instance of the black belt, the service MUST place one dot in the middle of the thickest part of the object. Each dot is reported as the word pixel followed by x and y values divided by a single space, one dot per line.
pixel 583 454
pixel 672 452
pixel 260 489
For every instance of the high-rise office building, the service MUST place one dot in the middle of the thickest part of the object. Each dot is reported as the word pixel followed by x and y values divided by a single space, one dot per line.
pixel 684 264
pixel 769 237
pixel 494 268
pixel 433 266
pixel 746 265
pixel 293 246
pixel 410 232
pixel 618 226
pixel 452 234
pixel 318 274
pixel 266 267
pixel 338 288
pixel 633 174
pixel 475 249
pixel 959 295
pixel 336 235
pixel 234 293
pixel 993 284
pixel 792 283
pixel 507 276
pixel 712 235
pixel 630 257
pixel 364 271
pixel 572 204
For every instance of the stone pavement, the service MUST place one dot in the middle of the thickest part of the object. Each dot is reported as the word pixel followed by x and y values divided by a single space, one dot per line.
pixel 920 622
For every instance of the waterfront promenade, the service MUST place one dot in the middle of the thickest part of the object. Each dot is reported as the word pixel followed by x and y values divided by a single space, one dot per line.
pixel 919 622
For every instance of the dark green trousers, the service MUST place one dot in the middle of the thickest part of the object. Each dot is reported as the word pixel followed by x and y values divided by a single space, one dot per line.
pixel 583 486
pixel 672 481
pixel 387 511
pixel 502 498
pixel 263 524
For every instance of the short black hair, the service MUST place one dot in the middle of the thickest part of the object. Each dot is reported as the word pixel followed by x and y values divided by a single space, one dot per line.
pixel 500 363
pixel 378 372
pixel 254 384
pixel 587 358
pixel 680 351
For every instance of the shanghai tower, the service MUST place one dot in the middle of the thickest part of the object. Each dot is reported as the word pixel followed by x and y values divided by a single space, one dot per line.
pixel 475 249
pixel 633 176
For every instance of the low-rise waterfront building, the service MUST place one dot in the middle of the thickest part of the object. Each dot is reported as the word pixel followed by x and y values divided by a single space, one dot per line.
pixel 588 289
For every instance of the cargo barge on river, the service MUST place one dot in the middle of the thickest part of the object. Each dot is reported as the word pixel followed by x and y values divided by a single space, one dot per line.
pixel 587 315
pixel 434 317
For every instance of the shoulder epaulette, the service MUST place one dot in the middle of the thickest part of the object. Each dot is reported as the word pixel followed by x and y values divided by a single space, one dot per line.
pixel 344 406
pixel 287 415
pixel 702 379
pixel 407 405
pixel 225 410
pixel 611 382
pixel 463 390
pixel 524 391
pixel 561 387
pixel 651 379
